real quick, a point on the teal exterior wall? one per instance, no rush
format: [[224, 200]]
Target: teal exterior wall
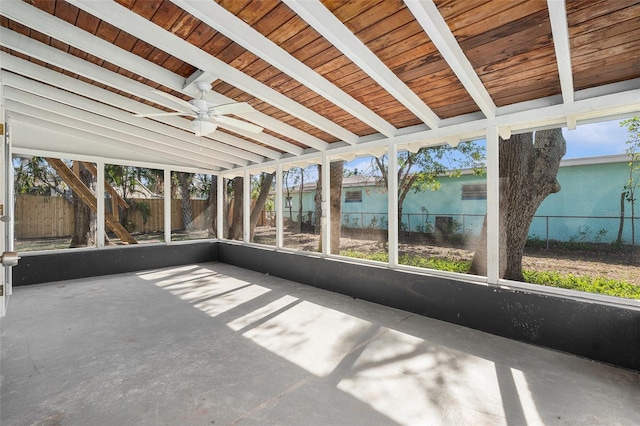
[[587, 208]]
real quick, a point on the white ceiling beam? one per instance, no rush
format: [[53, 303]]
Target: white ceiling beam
[[428, 16], [67, 33], [234, 146], [96, 134], [600, 108], [560, 31], [330, 27], [37, 137], [124, 131], [27, 103], [236, 29], [145, 30], [198, 148]]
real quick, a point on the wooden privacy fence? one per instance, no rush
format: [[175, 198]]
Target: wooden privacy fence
[[45, 216]]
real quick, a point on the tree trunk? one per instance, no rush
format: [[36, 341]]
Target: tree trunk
[[336, 171], [300, 196], [184, 179], [84, 224], [621, 227], [213, 207], [226, 208], [265, 186], [318, 204], [527, 171], [235, 230], [405, 184]]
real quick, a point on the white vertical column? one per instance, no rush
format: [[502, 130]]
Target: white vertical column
[[246, 208], [220, 207], [326, 206], [279, 208], [493, 205], [167, 205], [392, 199], [10, 205], [100, 204]]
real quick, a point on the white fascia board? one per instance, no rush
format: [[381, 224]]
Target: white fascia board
[[67, 33], [152, 140], [601, 159], [196, 147], [428, 16], [76, 65], [38, 137], [223, 21], [145, 30], [597, 108], [330, 27], [88, 127], [560, 31]]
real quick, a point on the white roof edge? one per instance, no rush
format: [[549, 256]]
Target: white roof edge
[[601, 159]]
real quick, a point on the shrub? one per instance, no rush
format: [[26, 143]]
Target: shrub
[[599, 285]]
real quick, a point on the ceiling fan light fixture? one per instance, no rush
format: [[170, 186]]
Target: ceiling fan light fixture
[[202, 127]]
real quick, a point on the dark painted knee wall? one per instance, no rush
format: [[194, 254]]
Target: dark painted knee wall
[[72, 264], [597, 331]]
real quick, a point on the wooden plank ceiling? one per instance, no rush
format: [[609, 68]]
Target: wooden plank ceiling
[[320, 75]]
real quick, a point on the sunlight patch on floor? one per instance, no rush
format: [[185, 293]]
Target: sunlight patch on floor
[[310, 336], [414, 382], [158, 275], [218, 304], [259, 314], [527, 402]]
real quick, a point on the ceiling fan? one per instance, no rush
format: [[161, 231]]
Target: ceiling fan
[[206, 114]]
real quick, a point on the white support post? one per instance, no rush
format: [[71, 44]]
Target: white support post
[[326, 206], [246, 207], [167, 205], [220, 207], [279, 208], [100, 204], [392, 199], [493, 206]]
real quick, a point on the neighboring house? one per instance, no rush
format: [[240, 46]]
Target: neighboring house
[[587, 208]]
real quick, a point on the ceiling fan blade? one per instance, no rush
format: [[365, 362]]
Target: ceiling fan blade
[[161, 114], [179, 101], [239, 124], [233, 108]]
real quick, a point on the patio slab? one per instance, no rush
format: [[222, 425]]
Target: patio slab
[[211, 343]]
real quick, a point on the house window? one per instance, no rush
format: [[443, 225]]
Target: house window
[[353, 197], [474, 191]]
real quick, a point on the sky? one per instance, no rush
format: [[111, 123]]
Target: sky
[[587, 140], [590, 140]]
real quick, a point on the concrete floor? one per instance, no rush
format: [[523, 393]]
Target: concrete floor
[[214, 344]]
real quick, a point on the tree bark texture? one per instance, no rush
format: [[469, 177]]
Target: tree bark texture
[[318, 204], [213, 207], [235, 230], [256, 211], [185, 179], [527, 172], [84, 225], [336, 172]]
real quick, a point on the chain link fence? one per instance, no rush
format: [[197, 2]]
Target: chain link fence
[[584, 229], [544, 230]]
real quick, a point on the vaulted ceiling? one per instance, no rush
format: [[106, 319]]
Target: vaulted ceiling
[[322, 76]]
